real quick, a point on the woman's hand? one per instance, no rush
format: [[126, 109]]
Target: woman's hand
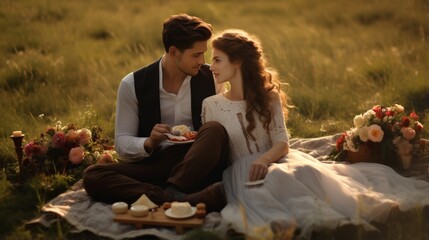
[[156, 136], [258, 170], [259, 167]]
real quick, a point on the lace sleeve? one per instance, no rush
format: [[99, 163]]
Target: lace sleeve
[[206, 113], [278, 130]]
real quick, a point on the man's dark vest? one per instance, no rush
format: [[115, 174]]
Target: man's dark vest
[[146, 83]]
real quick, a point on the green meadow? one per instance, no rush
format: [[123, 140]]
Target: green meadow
[[63, 61]]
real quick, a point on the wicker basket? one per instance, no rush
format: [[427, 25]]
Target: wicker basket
[[368, 152]]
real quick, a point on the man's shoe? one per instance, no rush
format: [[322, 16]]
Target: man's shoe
[[173, 193], [212, 196]]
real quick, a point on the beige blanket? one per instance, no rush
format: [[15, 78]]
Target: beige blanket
[[78, 209]]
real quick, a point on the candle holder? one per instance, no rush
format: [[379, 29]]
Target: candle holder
[[17, 141]]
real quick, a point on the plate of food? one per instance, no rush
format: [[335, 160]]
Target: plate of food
[[180, 210], [181, 134]]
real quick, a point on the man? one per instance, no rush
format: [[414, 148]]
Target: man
[[150, 102]]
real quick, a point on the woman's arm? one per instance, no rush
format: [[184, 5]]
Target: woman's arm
[[259, 167], [280, 138]]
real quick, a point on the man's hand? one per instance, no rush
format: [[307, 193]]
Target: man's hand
[[156, 136]]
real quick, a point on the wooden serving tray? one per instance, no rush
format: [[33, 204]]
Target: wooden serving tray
[[158, 218]]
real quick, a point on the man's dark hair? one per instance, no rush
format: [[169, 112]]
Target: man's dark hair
[[182, 31]]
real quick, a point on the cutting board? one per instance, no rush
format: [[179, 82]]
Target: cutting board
[[158, 218]]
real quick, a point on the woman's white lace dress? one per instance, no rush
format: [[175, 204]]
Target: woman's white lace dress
[[299, 187]]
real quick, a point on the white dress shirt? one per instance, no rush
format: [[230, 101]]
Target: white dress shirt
[[175, 110]]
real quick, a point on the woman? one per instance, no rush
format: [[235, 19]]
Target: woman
[[268, 182]]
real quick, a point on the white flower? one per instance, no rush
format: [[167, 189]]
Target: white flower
[[385, 118], [368, 115], [389, 119], [58, 125], [399, 108], [375, 133], [349, 140], [363, 134], [358, 120]]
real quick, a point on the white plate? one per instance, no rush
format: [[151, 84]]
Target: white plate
[[328, 161], [177, 139], [179, 142], [168, 213], [255, 183], [171, 136]]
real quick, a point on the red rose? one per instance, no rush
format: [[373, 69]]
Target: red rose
[[414, 115], [340, 141], [58, 140], [378, 111], [390, 113], [419, 127], [405, 122]]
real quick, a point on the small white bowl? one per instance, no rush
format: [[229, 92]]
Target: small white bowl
[[139, 210], [119, 207]]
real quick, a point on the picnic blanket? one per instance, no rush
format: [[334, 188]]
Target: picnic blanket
[[79, 210]]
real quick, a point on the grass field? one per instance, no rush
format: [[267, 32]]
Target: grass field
[[63, 60]]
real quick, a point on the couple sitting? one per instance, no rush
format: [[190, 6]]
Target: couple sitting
[[242, 137]]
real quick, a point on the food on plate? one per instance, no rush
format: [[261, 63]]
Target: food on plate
[[181, 208], [181, 133], [191, 135], [119, 207], [166, 205], [200, 213], [139, 211], [201, 206], [180, 130], [144, 200]]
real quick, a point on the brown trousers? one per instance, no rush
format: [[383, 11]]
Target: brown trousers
[[191, 167]]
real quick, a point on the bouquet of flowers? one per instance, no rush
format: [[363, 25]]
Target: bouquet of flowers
[[67, 150], [388, 131]]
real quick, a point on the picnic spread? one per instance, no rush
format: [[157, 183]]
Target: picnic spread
[[85, 214]]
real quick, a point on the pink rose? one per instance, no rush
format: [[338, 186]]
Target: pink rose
[[408, 133], [72, 136], [85, 136], [375, 133], [105, 158], [28, 149], [33, 149], [76, 155], [58, 140]]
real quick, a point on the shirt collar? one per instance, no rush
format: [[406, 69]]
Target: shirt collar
[[186, 81]]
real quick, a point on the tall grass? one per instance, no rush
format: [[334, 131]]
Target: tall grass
[[63, 60]]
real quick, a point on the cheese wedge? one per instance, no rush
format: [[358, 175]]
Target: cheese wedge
[[144, 200]]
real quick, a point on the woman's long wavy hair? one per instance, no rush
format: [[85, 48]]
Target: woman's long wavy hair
[[259, 81]]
